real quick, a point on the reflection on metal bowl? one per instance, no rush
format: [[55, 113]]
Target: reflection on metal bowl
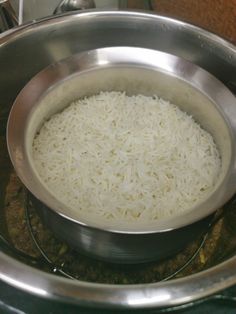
[[135, 71]]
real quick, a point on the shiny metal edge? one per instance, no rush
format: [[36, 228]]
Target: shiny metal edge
[[41, 22], [153, 295]]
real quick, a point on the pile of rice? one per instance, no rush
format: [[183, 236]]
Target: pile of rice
[[122, 158]]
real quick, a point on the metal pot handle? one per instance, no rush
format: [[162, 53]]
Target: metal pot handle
[[73, 5]]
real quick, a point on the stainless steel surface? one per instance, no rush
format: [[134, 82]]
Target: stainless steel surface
[[155, 295], [53, 39], [134, 70], [8, 18], [72, 5]]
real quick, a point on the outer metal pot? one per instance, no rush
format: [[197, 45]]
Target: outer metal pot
[[134, 70], [26, 50]]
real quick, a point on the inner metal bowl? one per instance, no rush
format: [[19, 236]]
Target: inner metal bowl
[[136, 71]]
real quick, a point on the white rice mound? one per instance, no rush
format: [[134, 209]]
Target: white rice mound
[[119, 158]]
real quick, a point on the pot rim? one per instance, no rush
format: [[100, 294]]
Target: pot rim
[[41, 22], [151, 295]]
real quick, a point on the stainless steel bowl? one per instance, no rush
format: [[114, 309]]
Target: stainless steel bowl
[[134, 70]]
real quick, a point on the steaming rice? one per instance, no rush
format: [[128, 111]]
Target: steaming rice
[[121, 158]]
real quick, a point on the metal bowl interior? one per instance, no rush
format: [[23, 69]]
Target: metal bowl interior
[[135, 71]]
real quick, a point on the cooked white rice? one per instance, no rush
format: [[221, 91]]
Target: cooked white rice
[[122, 158]]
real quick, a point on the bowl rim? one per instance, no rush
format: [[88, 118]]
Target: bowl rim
[[103, 58]]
